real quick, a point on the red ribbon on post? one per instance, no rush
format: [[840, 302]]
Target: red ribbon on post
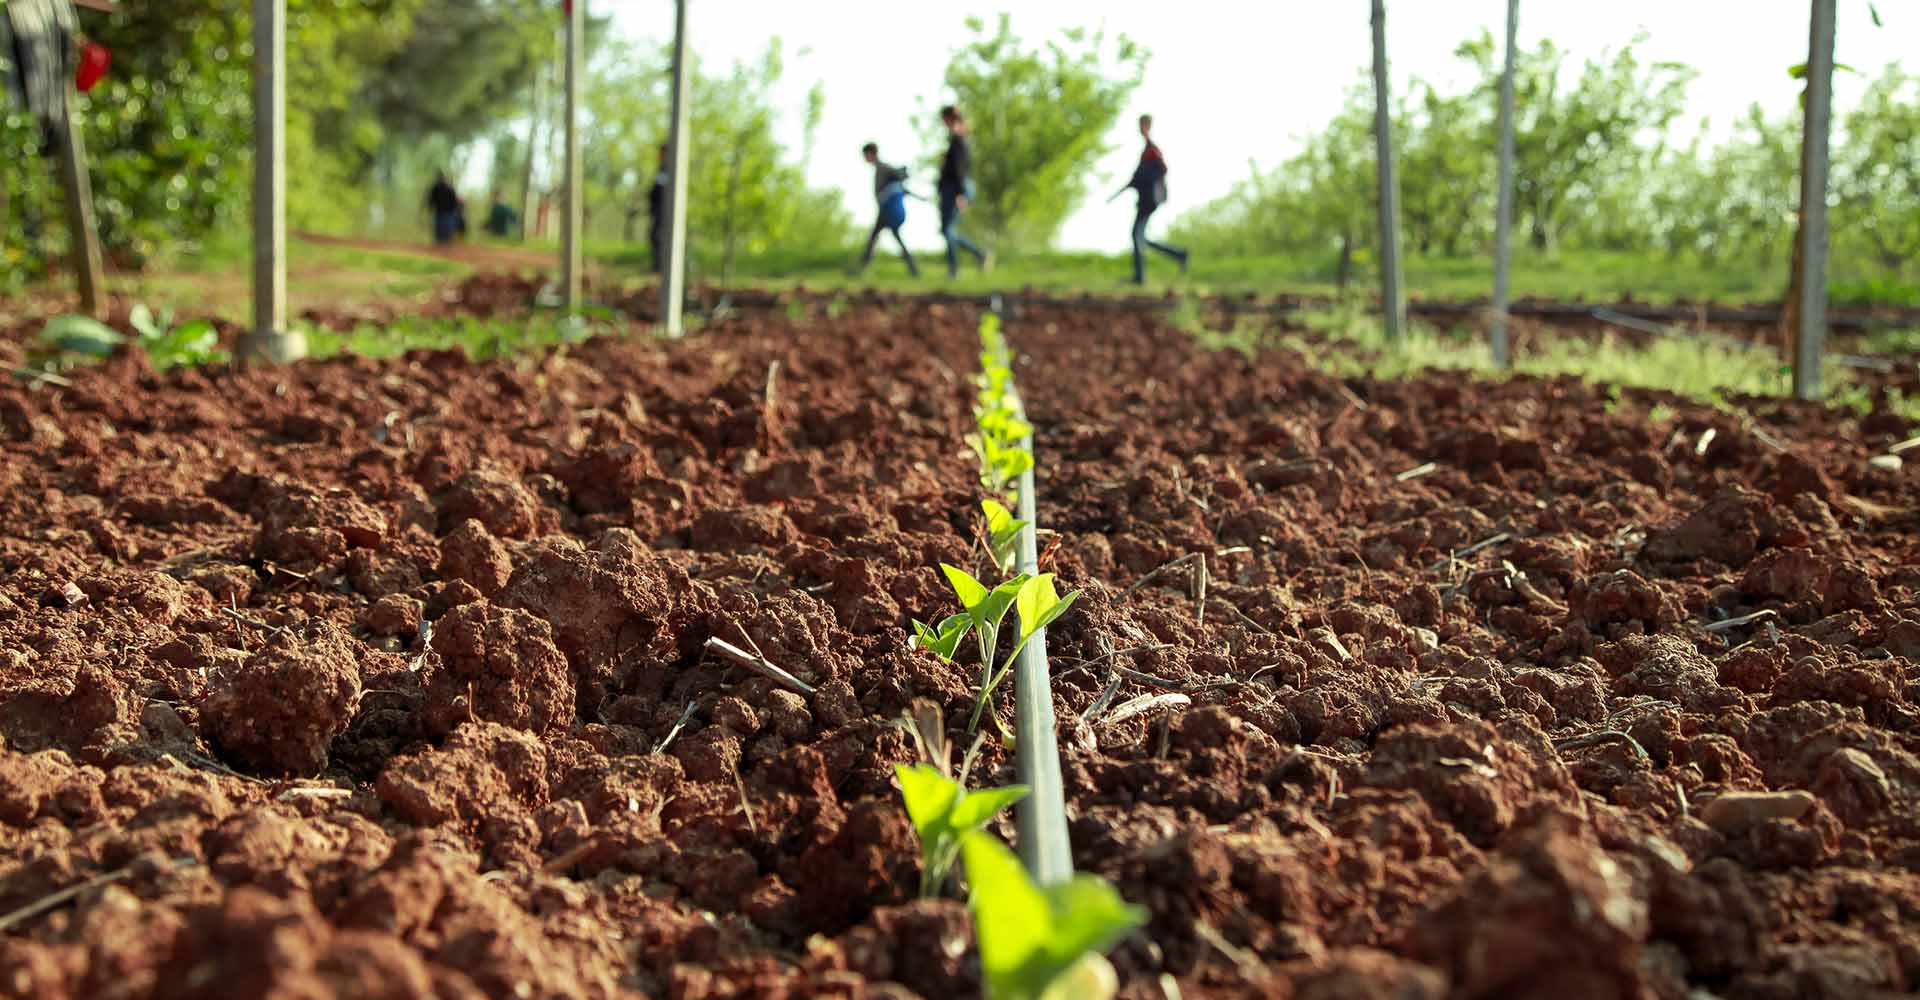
[[94, 60]]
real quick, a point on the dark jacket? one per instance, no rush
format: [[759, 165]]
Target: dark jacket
[[657, 203], [956, 167], [1150, 178], [441, 198]]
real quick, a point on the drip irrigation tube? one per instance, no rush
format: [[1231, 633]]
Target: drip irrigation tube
[[1881, 318], [1041, 818]]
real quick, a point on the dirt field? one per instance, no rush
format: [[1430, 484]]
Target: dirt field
[[384, 679]]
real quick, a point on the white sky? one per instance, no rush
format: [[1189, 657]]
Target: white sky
[[1232, 81]]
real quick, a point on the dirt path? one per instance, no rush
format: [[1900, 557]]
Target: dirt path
[[369, 678]]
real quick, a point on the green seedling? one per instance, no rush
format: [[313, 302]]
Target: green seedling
[[81, 335], [1003, 533], [943, 812], [1042, 942], [944, 640], [194, 342], [1039, 605]]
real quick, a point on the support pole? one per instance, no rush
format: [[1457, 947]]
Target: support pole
[[1392, 301], [87, 266], [1503, 214], [673, 278], [1811, 334], [571, 222], [270, 339]]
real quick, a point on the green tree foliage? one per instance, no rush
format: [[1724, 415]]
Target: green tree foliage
[[1040, 118], [747, 195], [1876, 177], [169, 130], [1597, 168], [1568, 140]]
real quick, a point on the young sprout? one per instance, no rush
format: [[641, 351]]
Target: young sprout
[[1039, 605], [1042, 942], [1003, 533], [943, 640], [943, 812], [986, 609]]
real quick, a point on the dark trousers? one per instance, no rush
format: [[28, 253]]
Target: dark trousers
[[874, 237], [1141, 244], [949, 228], [657, 247], [446, 223]]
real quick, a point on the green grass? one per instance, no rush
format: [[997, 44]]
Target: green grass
[[478, 338], [1589, 274], [1351, 341]]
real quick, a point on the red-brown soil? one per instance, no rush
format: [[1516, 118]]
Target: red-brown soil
[[384, 679]]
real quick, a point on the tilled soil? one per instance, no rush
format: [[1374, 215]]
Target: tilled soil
[[384, 679]]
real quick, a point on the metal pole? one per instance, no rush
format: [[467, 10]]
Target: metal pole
[[673, 278], [570, 235], [270, 339], [87, 265], [1392, 302], [1503, 213], [1812, 333]]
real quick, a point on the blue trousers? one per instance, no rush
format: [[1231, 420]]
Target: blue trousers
[[1141, 245], [880, 226], [949, 227]]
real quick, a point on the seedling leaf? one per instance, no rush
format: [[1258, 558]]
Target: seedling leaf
[[1039, 605], [141, 318], [929, 796], [969, 590], [942, 812], [974, 809], [82, 335], [1031, 936]]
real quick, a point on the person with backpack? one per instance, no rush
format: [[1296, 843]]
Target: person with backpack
[[1150, 185], [890, 191], [956, 190], [444, 203]]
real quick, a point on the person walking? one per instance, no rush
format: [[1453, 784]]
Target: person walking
[[1150, 185], [444, 203], [956, 190], [890, 191], [657, 215]]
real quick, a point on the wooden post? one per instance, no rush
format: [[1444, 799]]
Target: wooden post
[[673, 279], [1810, 333], [1392, 300], [571, 222], [88, 268], [1503, 213], [270, 339], [538, 111]]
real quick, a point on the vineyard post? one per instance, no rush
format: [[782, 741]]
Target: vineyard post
[[1503, 212], [571, 221], [87, 265], [1392, 300], [673, 278], [1810, 334], [270, 339]]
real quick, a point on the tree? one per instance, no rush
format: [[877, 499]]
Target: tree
[[1569, 142], [1039, 121], [745, 195], [1876, 177]]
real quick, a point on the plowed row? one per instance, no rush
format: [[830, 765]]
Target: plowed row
[[384, 679]]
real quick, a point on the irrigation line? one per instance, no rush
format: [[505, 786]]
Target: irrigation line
[[1285, 305], [1041, 818]]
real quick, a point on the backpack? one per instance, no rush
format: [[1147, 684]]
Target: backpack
[[893, 205]]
